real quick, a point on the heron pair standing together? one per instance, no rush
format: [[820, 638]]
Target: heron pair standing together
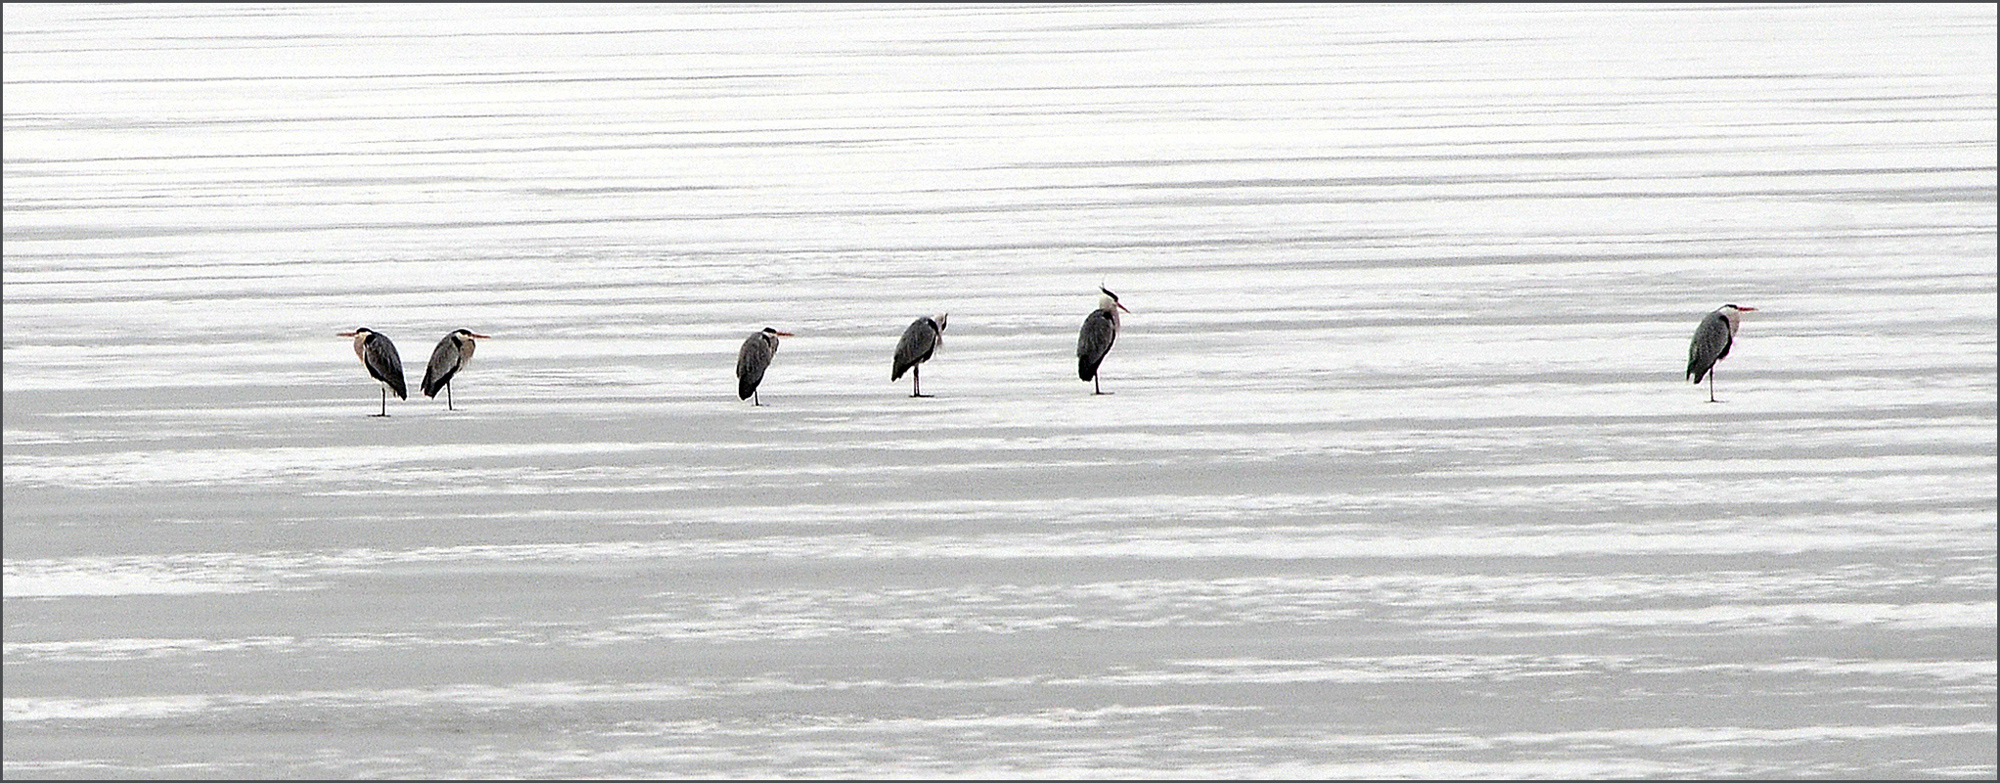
[[921, 340], [378, 355]]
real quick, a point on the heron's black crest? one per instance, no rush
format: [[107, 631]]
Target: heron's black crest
[[1107, 292]]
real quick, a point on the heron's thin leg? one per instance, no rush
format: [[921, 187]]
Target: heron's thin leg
[[917, 381], [447, 396], [1711, 384]]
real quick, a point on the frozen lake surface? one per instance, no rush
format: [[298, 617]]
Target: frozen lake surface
[[1401, 476]]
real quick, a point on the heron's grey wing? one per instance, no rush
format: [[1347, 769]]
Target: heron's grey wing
[[918, 343], [385, 365], [444, 364], [750, 364], [1093, 342], [1711, 342]]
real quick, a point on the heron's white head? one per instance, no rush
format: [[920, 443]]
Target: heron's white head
[[470, 333], [1109, 301], [939, 318], [773, 333]]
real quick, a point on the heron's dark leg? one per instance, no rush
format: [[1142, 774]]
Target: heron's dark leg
[[1711, 384], [385, 403], [917, 381], [1095, 388], [447, 396], [755, 398]]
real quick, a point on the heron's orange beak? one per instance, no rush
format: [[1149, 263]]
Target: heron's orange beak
[[482, 336], [1121, 306], [347, 334], [1745, 309], [784, 334]]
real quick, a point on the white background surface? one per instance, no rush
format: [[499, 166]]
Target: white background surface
[[1400, 478]]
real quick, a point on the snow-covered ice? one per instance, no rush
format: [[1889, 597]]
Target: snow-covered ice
[[1400, 477]]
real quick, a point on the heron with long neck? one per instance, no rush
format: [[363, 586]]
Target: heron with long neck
[[920, 340], [379, 357], [1100, 330], [751, 361], [1712, 341], [451, 355]]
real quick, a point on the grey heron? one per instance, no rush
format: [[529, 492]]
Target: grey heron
[[451, 355], [753, 359], [1712, 340], [1100, 329], [919, 341], [379, 357]]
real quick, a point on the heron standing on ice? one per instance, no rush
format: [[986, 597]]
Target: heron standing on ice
[[379, 357], [753, 359], [1100, 329], [1712, 340], [451, 355], [918, 343]]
